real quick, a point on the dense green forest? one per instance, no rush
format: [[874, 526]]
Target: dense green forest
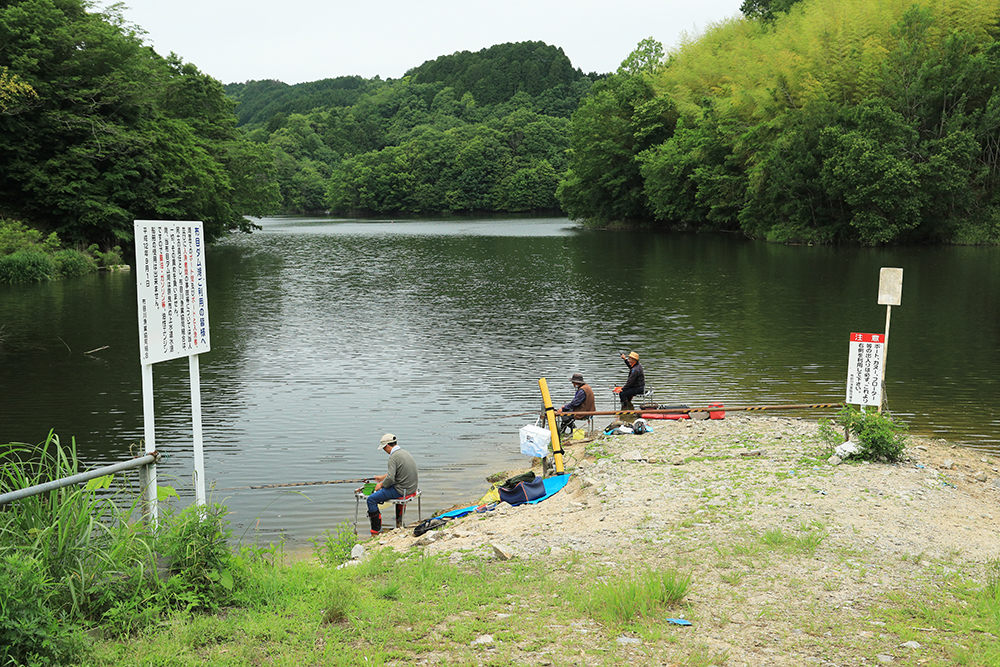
[[801, 120], [96, 130], [483, 131], [816, 121]]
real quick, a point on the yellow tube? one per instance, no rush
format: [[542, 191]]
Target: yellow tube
[[550, 413]]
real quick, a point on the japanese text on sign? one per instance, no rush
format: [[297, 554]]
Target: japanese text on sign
[[172, 296], [864, 369]]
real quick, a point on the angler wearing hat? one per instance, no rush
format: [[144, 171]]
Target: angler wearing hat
[[583, 401], [636, 382], [400, 481]]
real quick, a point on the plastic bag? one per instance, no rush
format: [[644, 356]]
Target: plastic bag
[[535, 441], [492, 496]]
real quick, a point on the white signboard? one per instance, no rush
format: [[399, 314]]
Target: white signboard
[[864, 369], [890, 286], [173, 301]]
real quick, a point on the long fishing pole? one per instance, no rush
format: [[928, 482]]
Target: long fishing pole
[[717, 408], [277, 486], [611, 338]]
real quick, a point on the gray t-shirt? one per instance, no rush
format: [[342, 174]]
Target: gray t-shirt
[[402, 472]]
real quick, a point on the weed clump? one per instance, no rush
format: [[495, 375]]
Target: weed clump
[[617, 602], [879, 437], [333, 547]]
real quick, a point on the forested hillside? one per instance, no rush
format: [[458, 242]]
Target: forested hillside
[[803, 120], [816, 121], [483, 131], [96, 130]]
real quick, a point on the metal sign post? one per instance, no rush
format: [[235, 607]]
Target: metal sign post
[[173, 323], [890, 293]]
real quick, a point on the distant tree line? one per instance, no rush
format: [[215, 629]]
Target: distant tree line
[[467, 132], [815, 121], [803, 120]]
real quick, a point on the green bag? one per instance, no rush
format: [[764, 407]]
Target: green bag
[[511, 482]]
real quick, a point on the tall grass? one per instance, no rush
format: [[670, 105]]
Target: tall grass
[[645, 594], [87, 562], [27, 266], [333, 547], [81, 538]]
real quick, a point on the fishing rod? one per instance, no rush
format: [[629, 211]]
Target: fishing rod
[[611, 338], [277, 486], [717, 408], [520, 414]]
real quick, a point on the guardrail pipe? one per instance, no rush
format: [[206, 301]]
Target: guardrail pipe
[[79, 478]]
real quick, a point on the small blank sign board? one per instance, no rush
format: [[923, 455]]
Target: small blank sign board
[[173, 302], [890, 286], [864, 369]]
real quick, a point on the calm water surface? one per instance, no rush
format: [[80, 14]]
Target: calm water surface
[[327, 333]]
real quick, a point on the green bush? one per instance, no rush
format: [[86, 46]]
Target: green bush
[[27, 266], [73, 263], [15, 236], [31, 631], [334, 546], [194, 543], [877, 434], [112, 257]]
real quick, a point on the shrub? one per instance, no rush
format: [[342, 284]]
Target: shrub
[[73, 263], [876, 433], [195, 545], [30, 629], [15, 236], [112, 257], [27, 266], [334, 547]]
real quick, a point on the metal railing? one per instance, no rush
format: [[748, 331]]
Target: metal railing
[[79, 478]]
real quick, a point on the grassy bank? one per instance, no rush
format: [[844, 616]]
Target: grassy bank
[[742, 528]]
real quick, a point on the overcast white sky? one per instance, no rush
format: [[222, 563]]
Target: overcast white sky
[[307, 40]]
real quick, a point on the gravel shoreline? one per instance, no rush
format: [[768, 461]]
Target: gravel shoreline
[[712, 498]]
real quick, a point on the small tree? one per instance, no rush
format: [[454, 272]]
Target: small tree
[[877, 434]]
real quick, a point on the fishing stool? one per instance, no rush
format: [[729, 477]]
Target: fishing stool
[[639, 400], [401, 504]]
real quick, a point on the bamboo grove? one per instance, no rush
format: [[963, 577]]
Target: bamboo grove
[[838, 121]]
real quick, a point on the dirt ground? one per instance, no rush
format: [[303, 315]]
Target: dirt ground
[[719, 499]]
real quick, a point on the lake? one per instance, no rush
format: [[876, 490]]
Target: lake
[[326, 333]]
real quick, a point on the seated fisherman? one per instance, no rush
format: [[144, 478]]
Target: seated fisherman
[[636, 382], [583, 401], [399, 482]]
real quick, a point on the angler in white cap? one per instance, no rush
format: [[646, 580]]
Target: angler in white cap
[[401, 480]]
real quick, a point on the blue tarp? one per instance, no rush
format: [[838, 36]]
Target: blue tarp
[[552, 485]]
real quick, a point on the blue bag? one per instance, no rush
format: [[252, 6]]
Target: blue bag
[[522, 492]]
